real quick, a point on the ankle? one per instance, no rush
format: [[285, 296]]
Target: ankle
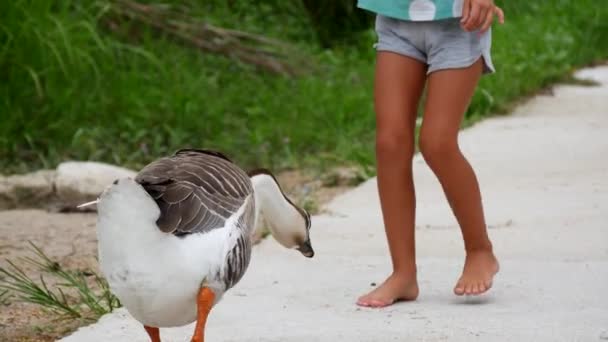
[[405, 272], [479, 247]]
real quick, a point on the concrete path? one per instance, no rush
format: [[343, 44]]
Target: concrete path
[[544, 178]]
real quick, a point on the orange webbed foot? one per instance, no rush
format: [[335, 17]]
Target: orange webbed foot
[[153, 332], [204, 302]]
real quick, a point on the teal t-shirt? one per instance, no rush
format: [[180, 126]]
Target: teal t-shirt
[[414, 10]]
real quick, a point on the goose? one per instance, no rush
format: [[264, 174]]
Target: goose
[[175, 238]]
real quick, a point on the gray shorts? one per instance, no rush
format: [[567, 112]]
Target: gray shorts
[[440, 44]]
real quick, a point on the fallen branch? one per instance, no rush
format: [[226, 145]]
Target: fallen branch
[[266, 53]]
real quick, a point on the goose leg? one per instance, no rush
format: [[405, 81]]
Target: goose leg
[[204, 302], [153, 332]]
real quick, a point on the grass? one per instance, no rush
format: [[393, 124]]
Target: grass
[[76, 295], [5, 297], [71, 90]]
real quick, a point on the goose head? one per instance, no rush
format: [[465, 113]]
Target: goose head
[[288, 223], [296, 234]]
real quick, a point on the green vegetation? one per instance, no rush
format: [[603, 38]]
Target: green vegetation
[[4, 297], [74, 87], [76, 295]]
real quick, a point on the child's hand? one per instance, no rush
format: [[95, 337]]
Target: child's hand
[[479, 14]]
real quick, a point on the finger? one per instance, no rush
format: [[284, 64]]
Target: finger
[[488, 22], [472, 19], [466, 9], [483, 14], [500, 14]]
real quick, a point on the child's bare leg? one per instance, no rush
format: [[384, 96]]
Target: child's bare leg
[[398, 87], [449, 94]]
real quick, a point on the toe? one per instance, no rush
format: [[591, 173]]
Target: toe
[[367, 296], [470, 289], [479, 288], [488, 284], [488, 281], [374, 303], [363, 301], [482, 288], [475, 289], [459, 289]]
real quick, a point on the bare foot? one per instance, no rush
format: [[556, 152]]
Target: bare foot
[[479, 270], [395, 288]]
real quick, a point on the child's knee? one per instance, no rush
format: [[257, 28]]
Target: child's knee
[[436, 148], [394, 146]]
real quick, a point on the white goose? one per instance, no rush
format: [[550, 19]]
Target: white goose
[[177, 237]]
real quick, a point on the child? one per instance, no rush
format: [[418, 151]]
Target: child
[[445, 44]]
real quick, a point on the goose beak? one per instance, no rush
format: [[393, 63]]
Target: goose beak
[[88, 204], [306, 249]]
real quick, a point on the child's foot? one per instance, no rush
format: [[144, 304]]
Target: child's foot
[[395, 288], [479, 270]]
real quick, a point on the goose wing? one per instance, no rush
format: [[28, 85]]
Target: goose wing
[[196, 190]]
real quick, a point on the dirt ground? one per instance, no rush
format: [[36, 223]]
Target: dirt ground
[[70, 240]]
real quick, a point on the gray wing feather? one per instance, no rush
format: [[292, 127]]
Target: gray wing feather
[[196, 190]]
